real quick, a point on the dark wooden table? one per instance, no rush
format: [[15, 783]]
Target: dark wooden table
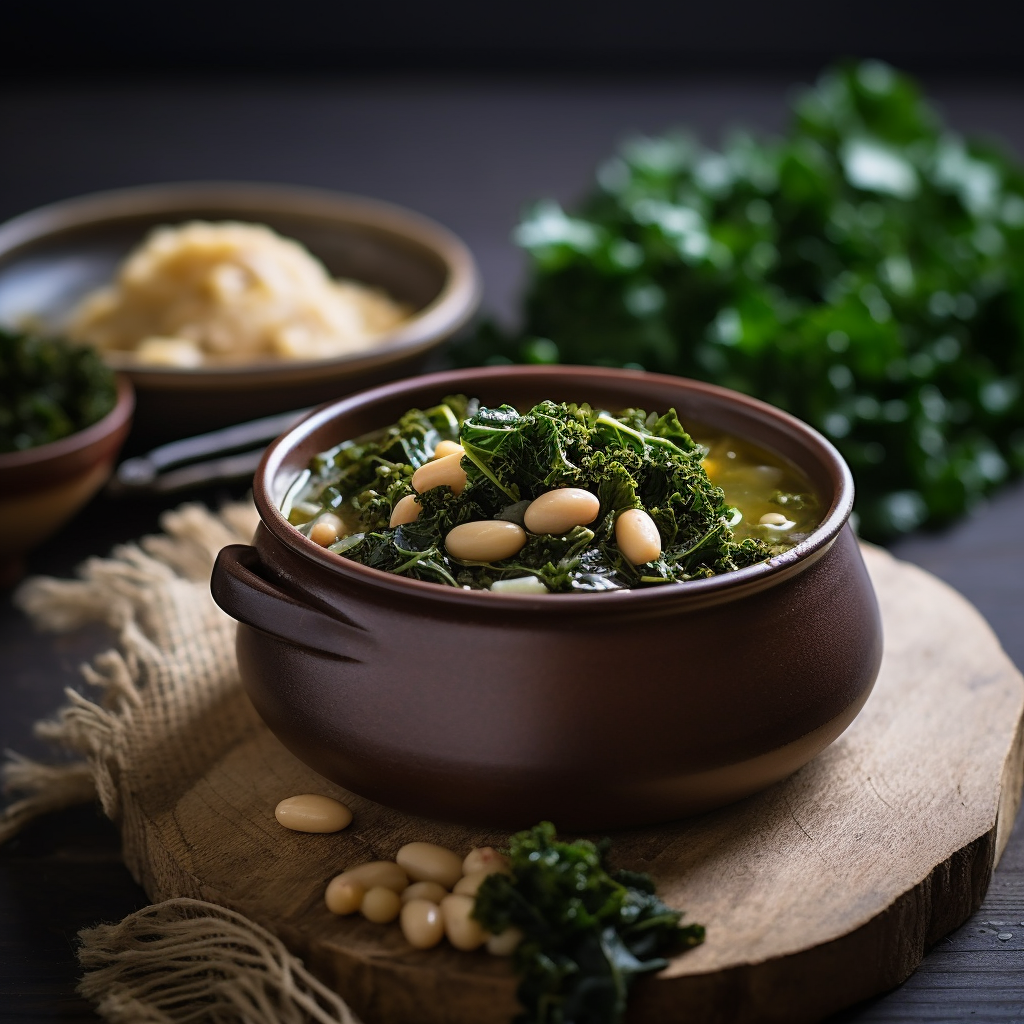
[[470, 153]]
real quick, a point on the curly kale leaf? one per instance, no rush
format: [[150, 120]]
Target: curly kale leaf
[[588, 932], [525, 454]]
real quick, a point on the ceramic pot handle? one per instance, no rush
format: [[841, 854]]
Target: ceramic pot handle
[[246, 596]]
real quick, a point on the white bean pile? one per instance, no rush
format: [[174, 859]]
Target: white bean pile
[[428, 888]]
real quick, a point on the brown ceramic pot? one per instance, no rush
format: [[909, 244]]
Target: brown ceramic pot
[[596, 711]]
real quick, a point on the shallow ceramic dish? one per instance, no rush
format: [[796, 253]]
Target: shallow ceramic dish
[[51, 257], [593, 710], [41, 488]]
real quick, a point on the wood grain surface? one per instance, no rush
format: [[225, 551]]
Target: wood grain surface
[[822, 891]]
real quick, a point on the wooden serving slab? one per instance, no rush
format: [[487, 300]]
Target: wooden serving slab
[[821, 891]]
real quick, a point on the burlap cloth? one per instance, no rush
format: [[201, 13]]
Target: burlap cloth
[[169, 704]]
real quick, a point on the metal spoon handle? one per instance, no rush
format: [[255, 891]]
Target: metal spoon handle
[[218, 455]]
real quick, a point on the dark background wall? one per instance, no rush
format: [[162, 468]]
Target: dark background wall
[[55, 37]]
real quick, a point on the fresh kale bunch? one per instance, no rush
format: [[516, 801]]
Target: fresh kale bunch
[[587, 932], [866, 273], [633, 460], [49, 389]]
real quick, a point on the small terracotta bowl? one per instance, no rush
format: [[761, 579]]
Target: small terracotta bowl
[[42, 488], [595, 711]]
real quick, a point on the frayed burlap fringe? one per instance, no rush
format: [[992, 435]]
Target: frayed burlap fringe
[[174, 654], [169, 704], [46, 788], [185, 960]]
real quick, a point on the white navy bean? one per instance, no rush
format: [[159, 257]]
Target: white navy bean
[[376, 872], [380, 905], [427, 862], [445, 448], [486, 859], [774, 519], [637, 536], [560, 510], [487, 540], [504, 944], [430, 891], [467, 885], [422, 924], [444, 472], [407, 510], [343, 897], [326, 530], [311, 813], [463, 931]]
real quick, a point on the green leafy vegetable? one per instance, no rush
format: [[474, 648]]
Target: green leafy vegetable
[[866, 273], [49, 389], [628, 461], [587, 932]]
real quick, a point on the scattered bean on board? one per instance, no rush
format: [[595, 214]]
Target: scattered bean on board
[[380, 905], [425, 862], [422, 923], [311, 813]]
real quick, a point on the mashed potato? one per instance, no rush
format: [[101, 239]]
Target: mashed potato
[[217, 294]]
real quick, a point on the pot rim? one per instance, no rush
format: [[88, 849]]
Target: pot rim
[[723, 587]]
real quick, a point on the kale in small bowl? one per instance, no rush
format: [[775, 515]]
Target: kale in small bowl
[[50, 389]]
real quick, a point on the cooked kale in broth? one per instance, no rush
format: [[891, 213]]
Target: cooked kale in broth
[[558, 498], [775, 500]]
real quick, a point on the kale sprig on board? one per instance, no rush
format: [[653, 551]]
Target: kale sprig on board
[[588, 932], [633, 460]]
